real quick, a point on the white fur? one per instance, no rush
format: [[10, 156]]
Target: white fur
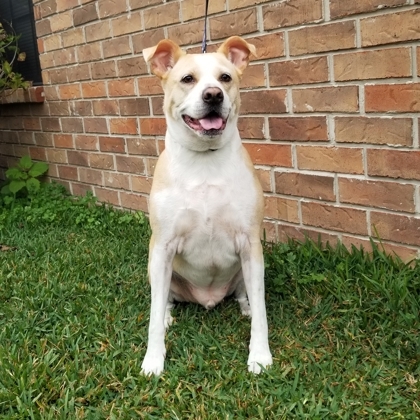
[[206, 212]]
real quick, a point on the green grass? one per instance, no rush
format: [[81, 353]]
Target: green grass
[[74, 309]]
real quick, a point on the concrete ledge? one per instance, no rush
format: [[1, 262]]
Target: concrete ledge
[[34, 94]]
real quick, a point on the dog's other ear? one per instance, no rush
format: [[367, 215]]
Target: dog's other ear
[[238, 51], [163, 56]]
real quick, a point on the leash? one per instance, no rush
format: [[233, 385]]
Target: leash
[[204, 42]]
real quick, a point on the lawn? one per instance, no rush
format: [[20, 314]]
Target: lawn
[[74, 309]]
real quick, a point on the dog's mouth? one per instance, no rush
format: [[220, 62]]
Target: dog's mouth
[[211, 124]]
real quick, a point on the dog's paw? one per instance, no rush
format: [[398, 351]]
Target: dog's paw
[[168, 320], [258, 360], [244, 305], [152, 364]]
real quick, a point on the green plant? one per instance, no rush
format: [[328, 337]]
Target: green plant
[[9, 53], [23, 179]]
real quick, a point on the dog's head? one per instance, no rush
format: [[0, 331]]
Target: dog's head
[[201, 90]]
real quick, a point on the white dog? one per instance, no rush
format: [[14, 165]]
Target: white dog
[[206, 203]]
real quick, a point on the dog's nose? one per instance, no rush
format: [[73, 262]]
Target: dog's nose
[[213, 96]]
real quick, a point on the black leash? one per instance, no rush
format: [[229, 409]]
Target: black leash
[[204, 42]]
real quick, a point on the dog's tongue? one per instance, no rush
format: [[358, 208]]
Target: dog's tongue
[[211, 123]]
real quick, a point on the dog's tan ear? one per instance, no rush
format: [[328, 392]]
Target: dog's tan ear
[[238, 51], [163, 56]]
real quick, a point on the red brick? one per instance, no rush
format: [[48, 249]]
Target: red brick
[[331, 159], [263, 102], [56, 156], [186, 33], [298, 128], [391, 131], [131, 67], [339, 8], [134, 106], [268, 46], [234, 23], [142, 146], [78, 158], [378, 64], [326, 99], [44, 139], [281, 209], [61, 21], [121, 87], [162, 15], [124, 126], [107, 196], [141, 184], [112, 144], [101, 161], [80, 189], [68, 172], [393, 98], [93, 89], [90, 176], [132, 164], [291, 13], [251, 128], [72, 37], [116, 180], [50, 124], [98, 31], [106, 107], [270, 154], [32, 124], [149, 86], [254, 77], [387, 195], [78, 73], [63, 141], [72, 125], [69, 91], [195, 8], [86, 142], [152, 126], [147, 39], [137, 4], [95, 125], [297, 72], [239, 4], [37, 153], [133, 201], [127, 23], [390, 28], [59, 108], [396, 228], [85, 14], [322, 38], [302, 185], [394, 163], [335, 218], [116, 47], [104, 70], [89, 52], [111, 8]]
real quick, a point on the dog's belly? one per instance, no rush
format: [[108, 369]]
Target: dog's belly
[[207, 261]]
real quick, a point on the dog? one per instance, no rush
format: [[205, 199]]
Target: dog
[[206, 202]]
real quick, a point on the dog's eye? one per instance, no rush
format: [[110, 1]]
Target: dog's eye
[[226, 78], [187, 79]]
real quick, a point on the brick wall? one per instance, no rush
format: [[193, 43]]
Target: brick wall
[[330, 107]]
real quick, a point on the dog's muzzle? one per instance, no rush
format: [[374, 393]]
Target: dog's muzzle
[[212, 123]]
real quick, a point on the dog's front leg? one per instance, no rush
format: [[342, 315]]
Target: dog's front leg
[[253, 271], [160, 272]]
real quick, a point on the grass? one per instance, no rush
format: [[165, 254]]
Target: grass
[[74, 309]]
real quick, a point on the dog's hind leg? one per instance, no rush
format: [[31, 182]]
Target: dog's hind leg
[[241, 296], [169, 306]]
